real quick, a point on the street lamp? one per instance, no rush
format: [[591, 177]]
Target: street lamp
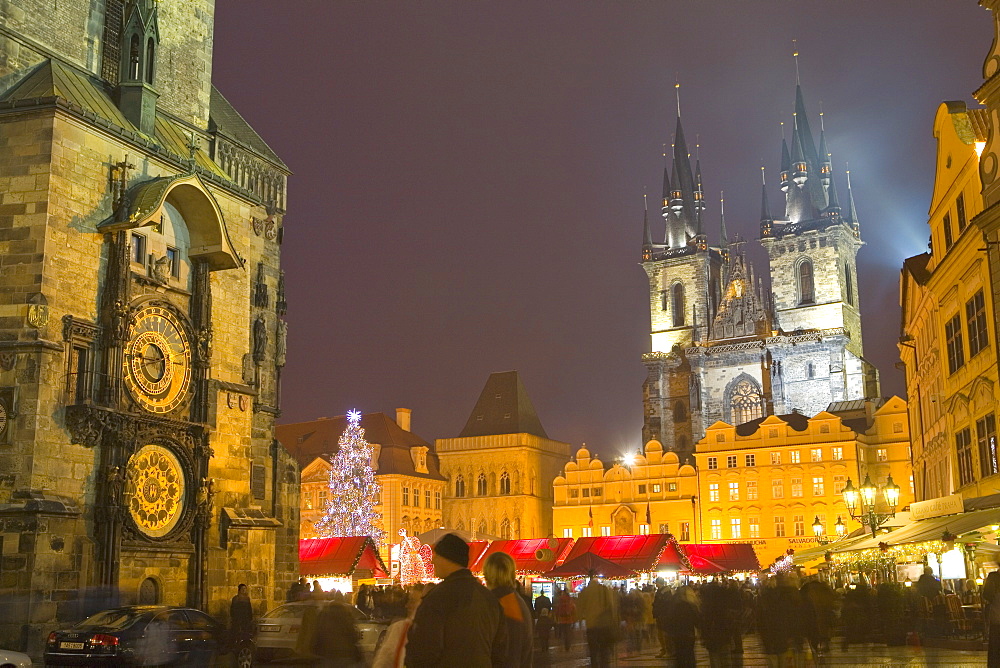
[[862, 502], [820, 531]]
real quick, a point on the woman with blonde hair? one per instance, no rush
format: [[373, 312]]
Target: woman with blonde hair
[[501, 579]]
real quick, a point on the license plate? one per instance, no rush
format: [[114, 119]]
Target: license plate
[[71, 645], [269, 628]]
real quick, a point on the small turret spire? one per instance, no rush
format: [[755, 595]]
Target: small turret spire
[[677, 89], [765, 209], [647, 239], [852, 212], [795, 55], [723, 234], [834, 200]]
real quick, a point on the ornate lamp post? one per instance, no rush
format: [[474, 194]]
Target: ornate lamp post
[[862, 502], [820, 531]]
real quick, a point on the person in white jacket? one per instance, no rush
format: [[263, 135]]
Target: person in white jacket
[[391, 653]]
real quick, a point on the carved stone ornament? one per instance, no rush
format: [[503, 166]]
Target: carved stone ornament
[[38, 315], [7, 361], [258, 225], [281, 346]]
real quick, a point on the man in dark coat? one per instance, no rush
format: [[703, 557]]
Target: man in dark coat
[[459, 622], [241, 614]]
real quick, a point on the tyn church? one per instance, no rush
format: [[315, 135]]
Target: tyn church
[[723, 346]]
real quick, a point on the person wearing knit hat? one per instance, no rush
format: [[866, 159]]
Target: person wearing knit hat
[[459, 623]]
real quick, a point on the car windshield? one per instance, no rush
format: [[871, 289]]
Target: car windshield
[[110, 619], [284, 611]]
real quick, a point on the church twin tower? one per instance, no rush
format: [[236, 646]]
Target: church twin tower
[[723, 346]]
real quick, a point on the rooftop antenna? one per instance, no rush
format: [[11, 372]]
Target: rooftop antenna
[[795, 55]]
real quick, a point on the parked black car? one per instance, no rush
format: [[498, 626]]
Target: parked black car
[[145, 635]]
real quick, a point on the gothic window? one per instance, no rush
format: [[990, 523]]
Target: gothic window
[[483, 531], [664, 300], [746, 402], [459, 487], [504, 483], [133, 58], [481, 486], [505, 528], [460, 526], [680, 415], [810, 370], [807, 293], [150, 51], [848, 284], [677, 299]]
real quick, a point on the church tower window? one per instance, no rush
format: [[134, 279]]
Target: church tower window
[[746, 402], [848, 284], [504, 483], [481, 486], [807, 291], [680, 415], [459, 487], [678, 305], [150, 60], [133, 59], [505, 528]]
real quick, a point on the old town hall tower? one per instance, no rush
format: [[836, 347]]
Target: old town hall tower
[[141, 319], [726, 346]]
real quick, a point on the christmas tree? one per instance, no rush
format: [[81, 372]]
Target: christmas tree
[[350, 507]]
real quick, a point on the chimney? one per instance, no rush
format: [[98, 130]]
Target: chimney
[[403, 418]]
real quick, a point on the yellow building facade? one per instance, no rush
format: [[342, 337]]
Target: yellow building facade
[[650, 492], [501, 467], [947, 340], [411, 486], [767, 481]]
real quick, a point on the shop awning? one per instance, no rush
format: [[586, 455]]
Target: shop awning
[[525, 552], [476, 550], [339, 556], [588, 563], [707, 558], [636, 553], [930, 529]]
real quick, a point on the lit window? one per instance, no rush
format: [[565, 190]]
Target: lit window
[[753, 527], [751, 490], [406, 496], [735, 530], [746, 401], [437, 500], [838, 484], [800, 525], [796, 487], [605, 531], [567, 533], [587, 532], [838, 453], [750, 460], [794, 456], [656, 488], [685, 531], [713, 491], [816, 454], [731, 461], [986, 435], [322, 497], [779, 526], [716, 530], [643, 529], [713, 462], [818, 486], [309, 501], [775, 458], [671, 486], [427, 498], [734, 491], [882, 455], [665, 527], [777, 488]]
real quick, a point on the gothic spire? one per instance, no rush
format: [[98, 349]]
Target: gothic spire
[[647, 239], [723, 234], [834, 206], [852, 213]]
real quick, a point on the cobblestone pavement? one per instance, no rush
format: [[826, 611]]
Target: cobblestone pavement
[[867, 655]]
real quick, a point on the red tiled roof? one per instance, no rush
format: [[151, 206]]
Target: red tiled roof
[[637, 553], [339, 556], [710, 558], [523, 551]]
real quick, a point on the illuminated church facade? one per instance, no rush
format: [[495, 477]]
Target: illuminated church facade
[[725, 347]]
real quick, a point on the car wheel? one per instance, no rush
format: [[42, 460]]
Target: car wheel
[[244, 657]]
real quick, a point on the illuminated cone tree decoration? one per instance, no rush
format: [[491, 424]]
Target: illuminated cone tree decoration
[[350, 508]]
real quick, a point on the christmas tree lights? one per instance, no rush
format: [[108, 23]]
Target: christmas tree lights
[[350, 507]]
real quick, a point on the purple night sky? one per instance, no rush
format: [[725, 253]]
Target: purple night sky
[[467, 195]]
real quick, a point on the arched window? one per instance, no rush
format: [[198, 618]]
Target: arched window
[[482, 528], [746, 402], [504, 483], [150, 52], [848, 284], [460, 526], [810, 370], [481, 489], [459, 487], [680, 414], [806, 287], [677, 298], [133, 59], [505, 529]]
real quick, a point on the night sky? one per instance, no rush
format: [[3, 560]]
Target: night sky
[[467, 195]]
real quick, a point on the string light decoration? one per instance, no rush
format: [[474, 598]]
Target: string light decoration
[[350, 508], [886, 555], [415, 560]]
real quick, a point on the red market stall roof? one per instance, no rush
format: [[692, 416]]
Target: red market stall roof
[[587, 563], [525, 553], [710, 558], [339, 556], [636, 553], [476, 550]]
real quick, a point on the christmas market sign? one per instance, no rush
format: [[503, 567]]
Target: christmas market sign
[[939, 507]]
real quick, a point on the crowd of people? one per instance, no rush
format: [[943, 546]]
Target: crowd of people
[[461, 622]]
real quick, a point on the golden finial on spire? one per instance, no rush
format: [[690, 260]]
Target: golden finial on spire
[[677, 89], [795, 55], [763, 180]]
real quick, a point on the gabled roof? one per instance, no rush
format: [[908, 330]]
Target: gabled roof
[[339, 556], [308, 440], [796, 421], [503, 408], [917, 267], [225, 120], [524, 552], [728, 557], [637, 553]]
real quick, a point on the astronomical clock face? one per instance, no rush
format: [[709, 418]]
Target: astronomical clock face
[[155, 490], [157, 360]]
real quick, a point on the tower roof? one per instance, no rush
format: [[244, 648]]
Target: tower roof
[[503, 408]]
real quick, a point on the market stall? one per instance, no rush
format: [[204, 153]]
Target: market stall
[[340, 562]]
